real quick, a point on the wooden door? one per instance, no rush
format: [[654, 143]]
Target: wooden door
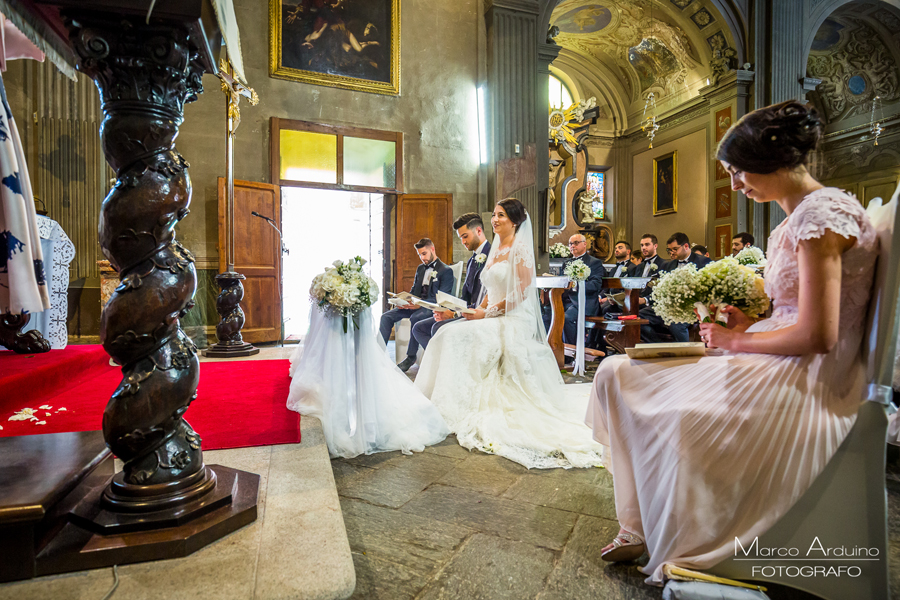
[[257, 256], [421, 216]]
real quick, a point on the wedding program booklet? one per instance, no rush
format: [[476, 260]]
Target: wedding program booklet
[[666, 350], [444, 302], [453, 303]]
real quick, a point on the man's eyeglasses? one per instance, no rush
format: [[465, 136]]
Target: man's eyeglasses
[[575, 243], [672, 250]]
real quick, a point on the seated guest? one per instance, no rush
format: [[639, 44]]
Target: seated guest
[[636, 258], [432, 275], [679, 248], [622, 252], [711, 451], [470, 229], [592, 285], [741, 241], [649, 244], [701, 250]]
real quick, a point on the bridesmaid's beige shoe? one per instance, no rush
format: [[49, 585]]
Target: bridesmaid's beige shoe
[[626, 547]]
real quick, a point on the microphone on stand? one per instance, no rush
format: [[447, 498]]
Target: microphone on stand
[[256, 214]]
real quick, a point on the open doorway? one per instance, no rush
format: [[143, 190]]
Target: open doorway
[[320, 227]]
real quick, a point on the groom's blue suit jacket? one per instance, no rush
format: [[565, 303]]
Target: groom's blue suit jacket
[[471, 288]]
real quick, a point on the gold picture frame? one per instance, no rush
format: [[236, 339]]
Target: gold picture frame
[[665, 184], [318, 37]]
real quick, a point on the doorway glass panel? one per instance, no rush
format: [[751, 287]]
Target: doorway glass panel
[[320, 227]]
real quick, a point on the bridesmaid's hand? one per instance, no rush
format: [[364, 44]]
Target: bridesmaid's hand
[[717, 336], [479, 314], [737, 320]]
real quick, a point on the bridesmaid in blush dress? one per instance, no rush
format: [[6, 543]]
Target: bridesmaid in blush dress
[[708, 449]]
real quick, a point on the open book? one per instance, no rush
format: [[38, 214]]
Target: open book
[[666, 350], [444, 302]]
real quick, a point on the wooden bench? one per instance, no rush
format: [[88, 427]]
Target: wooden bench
[[622, 334]]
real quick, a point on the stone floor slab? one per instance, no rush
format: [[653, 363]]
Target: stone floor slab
[[385, 580], [395, 482], [387, 534], [485, 473], [536, 525], [492, 568], [450, 447], [588, 499]]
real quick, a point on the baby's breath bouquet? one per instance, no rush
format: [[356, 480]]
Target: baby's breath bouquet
[[576, 270], [344, 289], [727, 282], [675, 295], [751, 256], [558, 250]]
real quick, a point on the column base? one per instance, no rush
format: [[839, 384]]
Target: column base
[[226, 350]]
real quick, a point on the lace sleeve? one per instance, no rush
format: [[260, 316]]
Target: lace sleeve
[[832, 210]]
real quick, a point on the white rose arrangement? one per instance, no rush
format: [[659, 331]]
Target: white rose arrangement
[[576, 270], [751, 256], [344, 289], [721, 283], [558, 250]]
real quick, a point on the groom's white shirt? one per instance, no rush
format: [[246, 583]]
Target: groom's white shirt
[[480, 248]]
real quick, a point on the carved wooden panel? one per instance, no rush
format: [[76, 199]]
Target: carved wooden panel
[[257, 256], [421, 216]]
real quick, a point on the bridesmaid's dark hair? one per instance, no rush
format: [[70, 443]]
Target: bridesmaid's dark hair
[[515, 210], [771, 138]]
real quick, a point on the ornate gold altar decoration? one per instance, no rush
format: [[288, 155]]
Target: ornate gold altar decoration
[[562, 121]]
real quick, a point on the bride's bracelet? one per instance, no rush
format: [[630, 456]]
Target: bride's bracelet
[[492, 312]]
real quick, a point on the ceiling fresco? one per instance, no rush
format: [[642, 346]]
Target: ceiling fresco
[[622, 50], [855, 54]]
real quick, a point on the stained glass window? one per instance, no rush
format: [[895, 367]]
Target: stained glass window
[[596, 182]]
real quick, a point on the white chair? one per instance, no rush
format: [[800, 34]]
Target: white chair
[[847, 504], [403, 329]]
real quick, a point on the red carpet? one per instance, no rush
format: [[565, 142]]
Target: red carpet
[[29, 378], [239, 403]]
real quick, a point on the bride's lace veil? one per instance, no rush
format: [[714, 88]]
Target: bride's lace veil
[[521, 295]]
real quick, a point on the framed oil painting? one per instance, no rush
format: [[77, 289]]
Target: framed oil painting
[[665, 184], [350, 44]]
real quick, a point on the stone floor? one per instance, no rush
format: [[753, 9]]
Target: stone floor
[[452, 524]]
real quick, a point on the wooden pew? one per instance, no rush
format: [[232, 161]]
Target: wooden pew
[[623, 334]]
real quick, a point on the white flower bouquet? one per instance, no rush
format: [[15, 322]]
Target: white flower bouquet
[[751, 256], [727, 282], [675, 295], [344, 289], [576, 270], [558, 250], [721, 283]]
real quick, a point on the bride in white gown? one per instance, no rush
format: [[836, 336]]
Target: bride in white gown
[[494, 378], [366, 404]]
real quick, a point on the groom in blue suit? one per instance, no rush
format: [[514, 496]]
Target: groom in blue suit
[[470, 229]]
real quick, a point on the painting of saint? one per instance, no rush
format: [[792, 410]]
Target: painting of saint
[[352, 44], [665, 184]]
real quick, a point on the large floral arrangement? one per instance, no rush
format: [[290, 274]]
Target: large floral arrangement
[[721, 283], [344, 289], [576, 270], [751, 256], [558, 250]]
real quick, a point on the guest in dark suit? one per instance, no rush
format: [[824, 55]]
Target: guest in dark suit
[[432, 275], [592, 285], [470, 229], [622, 253], [649, 244], [701, 250], [679, 248]]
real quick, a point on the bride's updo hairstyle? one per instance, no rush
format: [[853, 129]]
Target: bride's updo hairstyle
[[771, 138], [515, 210]]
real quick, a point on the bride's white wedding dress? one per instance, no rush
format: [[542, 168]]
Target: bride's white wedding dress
[[496, 381], [366, 404]]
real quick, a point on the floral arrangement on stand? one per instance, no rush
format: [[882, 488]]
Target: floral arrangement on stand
[[679, 293], [752, 257], [576, 270], [345, 290], [558, 250]]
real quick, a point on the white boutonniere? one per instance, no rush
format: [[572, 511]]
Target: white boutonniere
[[429, 275], [654, 267], [480, 258]]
